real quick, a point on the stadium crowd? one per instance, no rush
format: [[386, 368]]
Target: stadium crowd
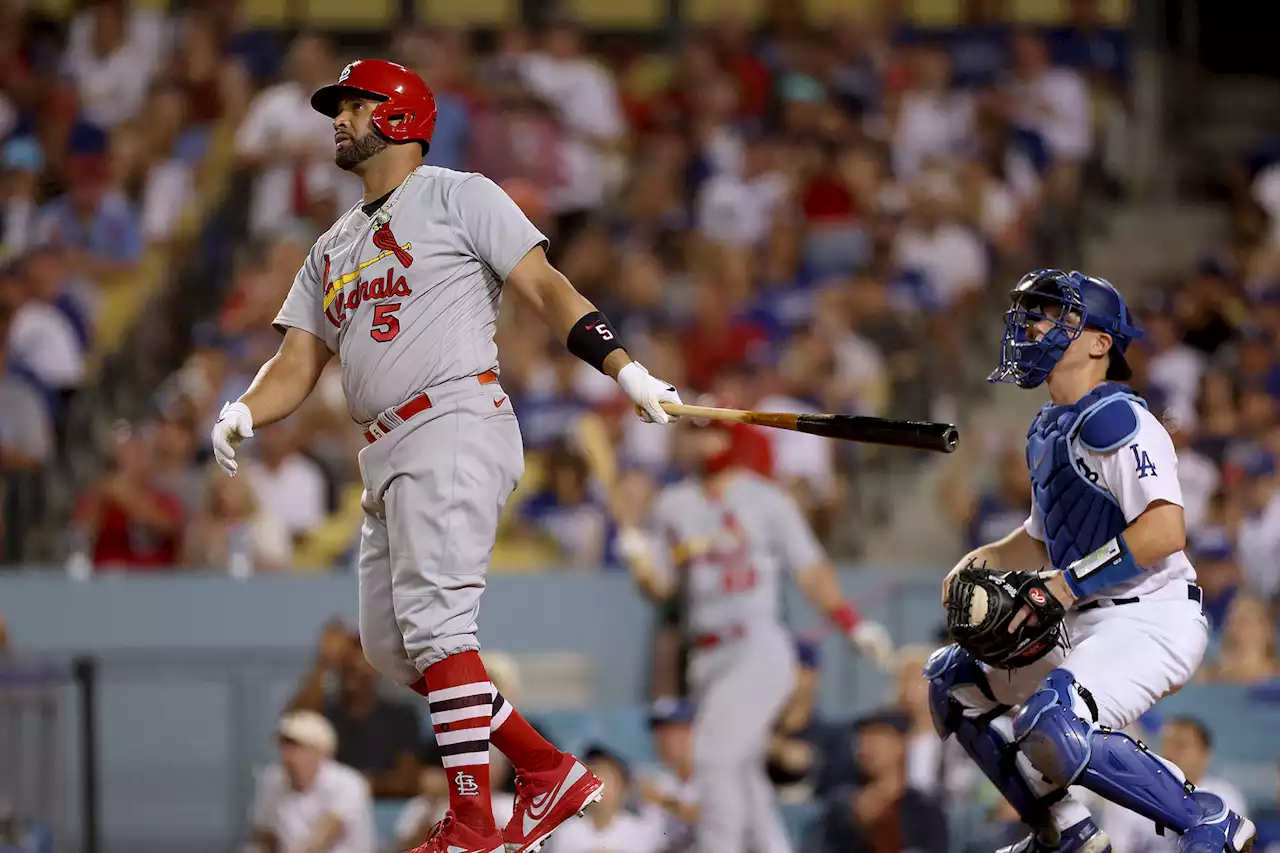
[[798, 220]]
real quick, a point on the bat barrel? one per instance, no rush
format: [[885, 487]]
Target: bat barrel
[[917, 435]]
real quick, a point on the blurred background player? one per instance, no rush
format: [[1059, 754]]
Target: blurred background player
[[722, 540]]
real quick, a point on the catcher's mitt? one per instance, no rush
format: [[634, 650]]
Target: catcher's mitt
[[982, 603]]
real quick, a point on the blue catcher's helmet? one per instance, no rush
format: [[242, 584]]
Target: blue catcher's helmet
[[1072, 301]]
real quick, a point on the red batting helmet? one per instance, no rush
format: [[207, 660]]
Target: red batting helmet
[[406, 99]]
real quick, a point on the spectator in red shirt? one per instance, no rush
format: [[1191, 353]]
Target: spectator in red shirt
[[719, 337], [132, 522]]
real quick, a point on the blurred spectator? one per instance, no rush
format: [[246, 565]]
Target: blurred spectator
[[111, 54], [175, 462], [156, 165], [1186, 742], [735, 209], [585, 98], [26, 431], [1197, 474], [936, 244], [1054, 104], [20, 834], [565, 511], [1217, 573], [428, 806], [43, 339], [130, 520], [882, 812], [669, 791], [516, 140], [291, 145], [934, 767], [441, 57], [96, 226], [799, 737], [320, 683], [1248, 651], [21, 163], [378, 737], [608, 826], [288, 482], [1173, 368], [1258, 533], [233, 529], [4, 636], [932, 119], [309, 801], [720, 336], [991, 513]]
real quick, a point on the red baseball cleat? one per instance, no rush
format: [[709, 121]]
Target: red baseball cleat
[[547, 798], [449, 836]]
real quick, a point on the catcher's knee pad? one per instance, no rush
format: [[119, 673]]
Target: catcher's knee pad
[[951, 668], [1069, 749], [947, 669]]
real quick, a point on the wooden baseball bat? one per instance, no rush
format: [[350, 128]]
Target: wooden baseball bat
[[919, 435]]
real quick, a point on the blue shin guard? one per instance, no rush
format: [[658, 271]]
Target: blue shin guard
[[952, 668], [1070, 749]]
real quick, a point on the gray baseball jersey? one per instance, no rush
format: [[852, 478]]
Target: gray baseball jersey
[[732, 551], [409, 297]]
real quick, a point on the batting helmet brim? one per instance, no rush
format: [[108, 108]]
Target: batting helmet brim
[[327, 100]]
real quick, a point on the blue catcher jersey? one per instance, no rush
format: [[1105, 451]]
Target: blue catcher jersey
[[1096, 465]]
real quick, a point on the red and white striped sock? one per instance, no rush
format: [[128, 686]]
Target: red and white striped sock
[[460, 698], [519, 741]]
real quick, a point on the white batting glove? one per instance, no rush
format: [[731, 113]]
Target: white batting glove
[[647, 392], [235, 424], [872, 641]]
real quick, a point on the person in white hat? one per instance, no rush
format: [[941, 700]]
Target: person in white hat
[[308, 803]]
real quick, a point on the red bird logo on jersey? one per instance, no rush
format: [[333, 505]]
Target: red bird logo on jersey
[[385, 240]]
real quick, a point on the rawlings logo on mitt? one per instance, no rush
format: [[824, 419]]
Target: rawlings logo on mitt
[[984, 604]]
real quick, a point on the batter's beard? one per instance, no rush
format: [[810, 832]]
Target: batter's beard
[[359, 150]]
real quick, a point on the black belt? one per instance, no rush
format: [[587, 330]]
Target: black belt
[[1194, 593]]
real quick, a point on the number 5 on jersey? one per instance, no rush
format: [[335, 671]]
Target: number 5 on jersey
[[386, 325]]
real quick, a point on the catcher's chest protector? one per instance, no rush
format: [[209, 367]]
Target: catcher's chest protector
[[1079, 517]]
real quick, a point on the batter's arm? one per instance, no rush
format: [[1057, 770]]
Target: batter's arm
[[287, 379], [557, 301]]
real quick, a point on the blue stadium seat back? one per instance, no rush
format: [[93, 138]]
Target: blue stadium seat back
[[569, 730], [626, 730], [1243, 727], [799, 819], [385, 813]]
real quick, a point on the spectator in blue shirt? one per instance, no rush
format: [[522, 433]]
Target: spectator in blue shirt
[[93, 223]]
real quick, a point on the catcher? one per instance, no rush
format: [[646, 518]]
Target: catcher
[[1049, 663]]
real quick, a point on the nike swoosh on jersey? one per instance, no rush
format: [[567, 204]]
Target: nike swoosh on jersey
[[331, 289], [497, 404], [538, 810]]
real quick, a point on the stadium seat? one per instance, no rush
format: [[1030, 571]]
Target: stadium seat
[[620, 14], [364, 15], [385, 813], [699, 12], [474, 13], [267, 13], [1115, 12], [939, 14]]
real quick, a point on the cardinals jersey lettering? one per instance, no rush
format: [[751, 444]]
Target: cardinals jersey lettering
[[409, 297], [729, 552]]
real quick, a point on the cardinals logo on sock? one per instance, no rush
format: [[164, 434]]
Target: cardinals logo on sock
[[466, 783]]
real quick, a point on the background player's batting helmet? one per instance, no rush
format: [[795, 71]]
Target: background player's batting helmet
[[408, 109]]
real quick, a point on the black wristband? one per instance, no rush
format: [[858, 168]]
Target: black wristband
[[592, 339]]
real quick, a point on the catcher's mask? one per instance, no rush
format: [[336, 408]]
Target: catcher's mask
[[1071, 302]]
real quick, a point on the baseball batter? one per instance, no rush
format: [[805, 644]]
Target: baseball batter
[[405, 289], [1039, 710], [729, 538]]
